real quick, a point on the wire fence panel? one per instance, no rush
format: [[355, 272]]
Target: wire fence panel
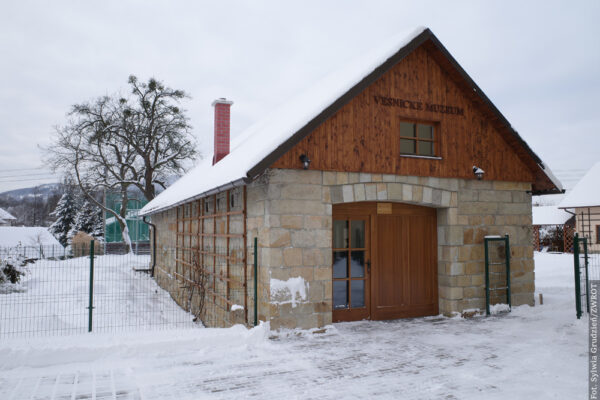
[[587, 268], [46, 291]]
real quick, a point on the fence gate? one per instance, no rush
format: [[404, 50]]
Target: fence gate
[[586, 260], [58, 291], [497, 271]]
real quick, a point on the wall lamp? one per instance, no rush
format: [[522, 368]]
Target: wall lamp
[[478, 172], [305, 161]]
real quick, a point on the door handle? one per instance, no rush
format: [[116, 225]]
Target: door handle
[[368, 266]]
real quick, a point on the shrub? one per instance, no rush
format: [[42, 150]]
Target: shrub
[[10, 273], [12, 268]]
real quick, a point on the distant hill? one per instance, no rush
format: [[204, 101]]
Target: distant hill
[[42, 191], [32, 206]]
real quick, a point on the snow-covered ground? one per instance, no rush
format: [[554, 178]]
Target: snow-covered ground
[[53, 298], [533, 352]]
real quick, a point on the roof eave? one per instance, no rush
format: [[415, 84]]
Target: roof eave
[[227, 186]]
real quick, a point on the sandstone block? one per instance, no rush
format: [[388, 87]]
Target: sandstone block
[[454, 235], [495, 195], [522, 186], [515, 208], [445, 200], [468, 195], [303, 238], [406, 192], [312, 257], [348, 193], [336, 194], [278, 237], [394, 191], [296, 176], [451, 293], [382, 191], [477, 208], [364, 177], [371, 191], [388, 178], [292, 221], [436, 198], [291, 207], [329, 178], [301, 192], [317, 222], [341, 178], [292, 257], [418, 194], [456, 268], [359, 192], [322, 273]]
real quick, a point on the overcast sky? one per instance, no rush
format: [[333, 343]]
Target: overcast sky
[[539, 62]]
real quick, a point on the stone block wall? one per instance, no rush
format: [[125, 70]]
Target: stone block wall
[[292, 220], [290, 212]]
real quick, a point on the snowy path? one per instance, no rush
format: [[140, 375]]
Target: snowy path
[[530, 353]]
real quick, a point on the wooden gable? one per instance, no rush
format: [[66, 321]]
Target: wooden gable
[[363, 135]]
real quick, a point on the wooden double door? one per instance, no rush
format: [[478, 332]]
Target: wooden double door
[[384, 261]]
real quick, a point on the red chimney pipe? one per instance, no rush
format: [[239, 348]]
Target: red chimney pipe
[[222, 114]]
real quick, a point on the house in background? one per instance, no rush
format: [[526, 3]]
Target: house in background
[[138, 229], [29, 241], [370, 196], [6, 219], [553, 229], [584, 201]]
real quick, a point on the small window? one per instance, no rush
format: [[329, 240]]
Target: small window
[[417, 139], [597, 233]]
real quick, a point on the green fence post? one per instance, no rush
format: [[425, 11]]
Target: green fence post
[[577, 281], [487, 277], [507, 253], [255, 281], [90, 308]]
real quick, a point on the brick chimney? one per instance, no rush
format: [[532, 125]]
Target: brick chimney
[[221, 106]]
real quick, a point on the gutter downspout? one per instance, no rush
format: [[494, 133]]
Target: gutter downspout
[[153, 244]]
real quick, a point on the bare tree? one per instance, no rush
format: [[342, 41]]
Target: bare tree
[[159, 132], [115, 143]]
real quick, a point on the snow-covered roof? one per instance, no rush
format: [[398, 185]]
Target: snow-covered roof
[[256, 142], [253, 147], [11, 236], [549, 215], [587, 191], [6, 216]]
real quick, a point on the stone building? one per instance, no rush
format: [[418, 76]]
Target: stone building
[[370, 195]]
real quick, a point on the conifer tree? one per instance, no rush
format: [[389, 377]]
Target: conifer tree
[[88, 220], [65, 213]]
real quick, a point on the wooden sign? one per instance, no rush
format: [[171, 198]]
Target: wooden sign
[[418, 105], [384, 208]]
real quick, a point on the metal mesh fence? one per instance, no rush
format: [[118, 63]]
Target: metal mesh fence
[[48, 291]]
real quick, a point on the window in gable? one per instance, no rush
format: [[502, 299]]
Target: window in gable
[[418, 138]]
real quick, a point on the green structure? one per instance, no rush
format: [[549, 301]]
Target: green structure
[[138, 230]]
